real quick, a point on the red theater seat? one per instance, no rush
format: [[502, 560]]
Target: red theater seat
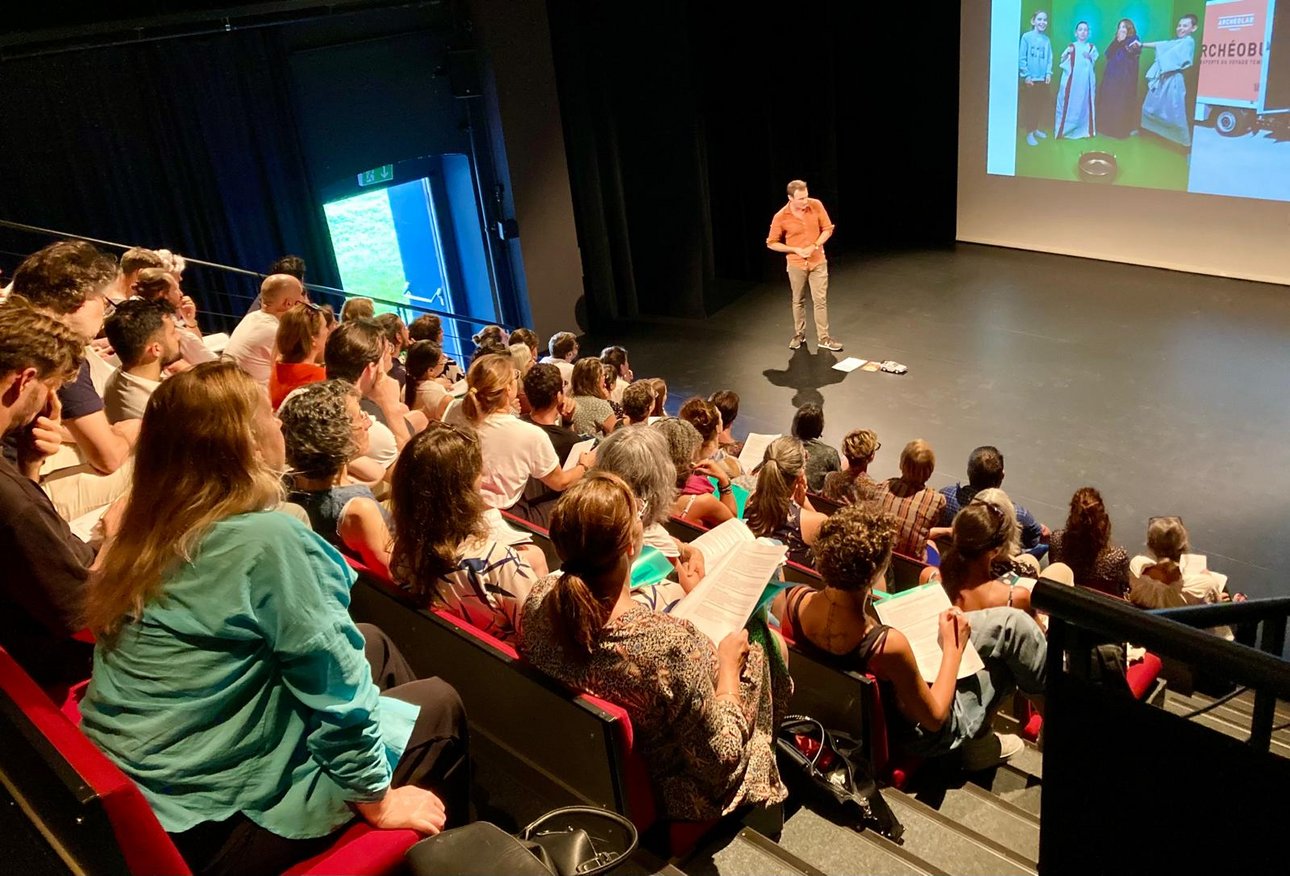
[[144, 845]]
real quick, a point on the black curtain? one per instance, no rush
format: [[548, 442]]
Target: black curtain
[[684, 120], [189, 145]]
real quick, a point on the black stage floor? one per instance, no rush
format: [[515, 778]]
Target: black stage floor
[[1166, 391]]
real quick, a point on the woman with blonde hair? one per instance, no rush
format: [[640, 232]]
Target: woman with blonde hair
[[1170, 574], [705, 716], [444, 550], [778, 508], [513, 451], [224, 641], [302, 336], [593, 415]]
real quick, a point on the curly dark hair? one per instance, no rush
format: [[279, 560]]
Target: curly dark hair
[[702, 415], [60, 277], [434, 505], [1088, 531], [854, 547], [317, 427]]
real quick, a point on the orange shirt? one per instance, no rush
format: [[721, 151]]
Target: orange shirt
[[287, 376], [793, 230]]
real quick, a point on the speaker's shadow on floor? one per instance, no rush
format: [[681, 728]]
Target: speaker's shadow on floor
[[806, 373]]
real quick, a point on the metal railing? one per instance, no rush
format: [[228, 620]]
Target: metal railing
[[408, 310]]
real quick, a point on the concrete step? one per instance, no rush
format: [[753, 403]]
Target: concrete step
[[1228, 723], [1017, 787], [747, 853], [838, 850], [990, 815], [950, 846]]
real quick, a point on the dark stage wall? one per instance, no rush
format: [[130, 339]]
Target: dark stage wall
[[684, 121]]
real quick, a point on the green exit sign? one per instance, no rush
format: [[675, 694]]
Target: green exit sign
[[376, 175]]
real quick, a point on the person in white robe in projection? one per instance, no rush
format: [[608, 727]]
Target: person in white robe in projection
[[1076, 115], [1164, 110]]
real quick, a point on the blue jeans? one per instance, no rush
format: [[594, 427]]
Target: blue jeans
[[1015, 654]]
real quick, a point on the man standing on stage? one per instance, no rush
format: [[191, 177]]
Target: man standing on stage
[[799, 230]]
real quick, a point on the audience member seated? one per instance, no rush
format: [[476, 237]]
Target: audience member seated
[[726, 401], [145, 339], [640, 458], [705, 417], [980, 537], [563, 349], [445, 550], [684, 446], [638, 402], [325, 428], [513, 451], [985, 470], [853, 485], [160, 285], [915, 506], [705, 717], [779, 508], [1171, 575], [357, 308], [277, 733], [852, 555], [357, 352], [396, 335], [292, 266], [821, 459], [527, 357], [660, 396], [549, 410], [251, 344], [301, 340], [1085, 545], [45, 565], [429, 327], [66, 280], [133, 261], [426, 389], [593, 415], [616, 357]]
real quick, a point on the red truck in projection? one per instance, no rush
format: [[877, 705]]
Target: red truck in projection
[[1244, 79]]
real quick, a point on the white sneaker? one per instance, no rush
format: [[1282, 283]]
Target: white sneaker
[[1030, 138], [989, 751], [1041, 135]]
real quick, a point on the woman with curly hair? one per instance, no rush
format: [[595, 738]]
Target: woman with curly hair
[[324, 429], [1085, 546], [444, 550], [704, 416], [852, 553], [853, 484]]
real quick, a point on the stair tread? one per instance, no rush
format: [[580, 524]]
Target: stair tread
[[1238, 727], [952, 847], [992, 816], [834, 849]]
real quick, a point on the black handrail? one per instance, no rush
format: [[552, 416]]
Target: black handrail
[[1117, 620], [1251, 610], [313, 287]]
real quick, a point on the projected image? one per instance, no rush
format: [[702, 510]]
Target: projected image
[[1185, 95]]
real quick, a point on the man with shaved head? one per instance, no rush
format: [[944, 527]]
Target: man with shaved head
[[252, 342]]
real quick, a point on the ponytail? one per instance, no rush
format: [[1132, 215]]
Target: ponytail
[[768, 506], [489, 378], [576, 615], [471, 407]]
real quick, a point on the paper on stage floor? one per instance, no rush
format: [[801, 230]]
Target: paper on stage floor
[[576, 451], [916, 613], [503, 532], [754, 449], [849, 364], [737, 570]]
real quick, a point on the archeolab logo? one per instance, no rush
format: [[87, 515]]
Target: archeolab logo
[[1235, 22]]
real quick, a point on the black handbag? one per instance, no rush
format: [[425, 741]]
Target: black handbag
[[570, 841], [830, 768]]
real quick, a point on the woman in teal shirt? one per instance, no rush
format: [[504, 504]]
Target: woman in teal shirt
[[229, 681]]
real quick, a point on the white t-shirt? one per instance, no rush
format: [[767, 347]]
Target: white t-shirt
[[126, 396], [251, 345], [430, 395], [382, 447], [513, 452], [566, 371]]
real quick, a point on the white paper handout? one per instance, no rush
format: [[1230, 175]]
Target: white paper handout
[[458, 389], [576, 451], [215, 342], [754, 449], [501, 531], [83, 527], [737, 568], [916, 613], [849, 364]]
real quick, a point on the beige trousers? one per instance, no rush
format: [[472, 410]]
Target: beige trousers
[[74, 486], [818, 279]]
